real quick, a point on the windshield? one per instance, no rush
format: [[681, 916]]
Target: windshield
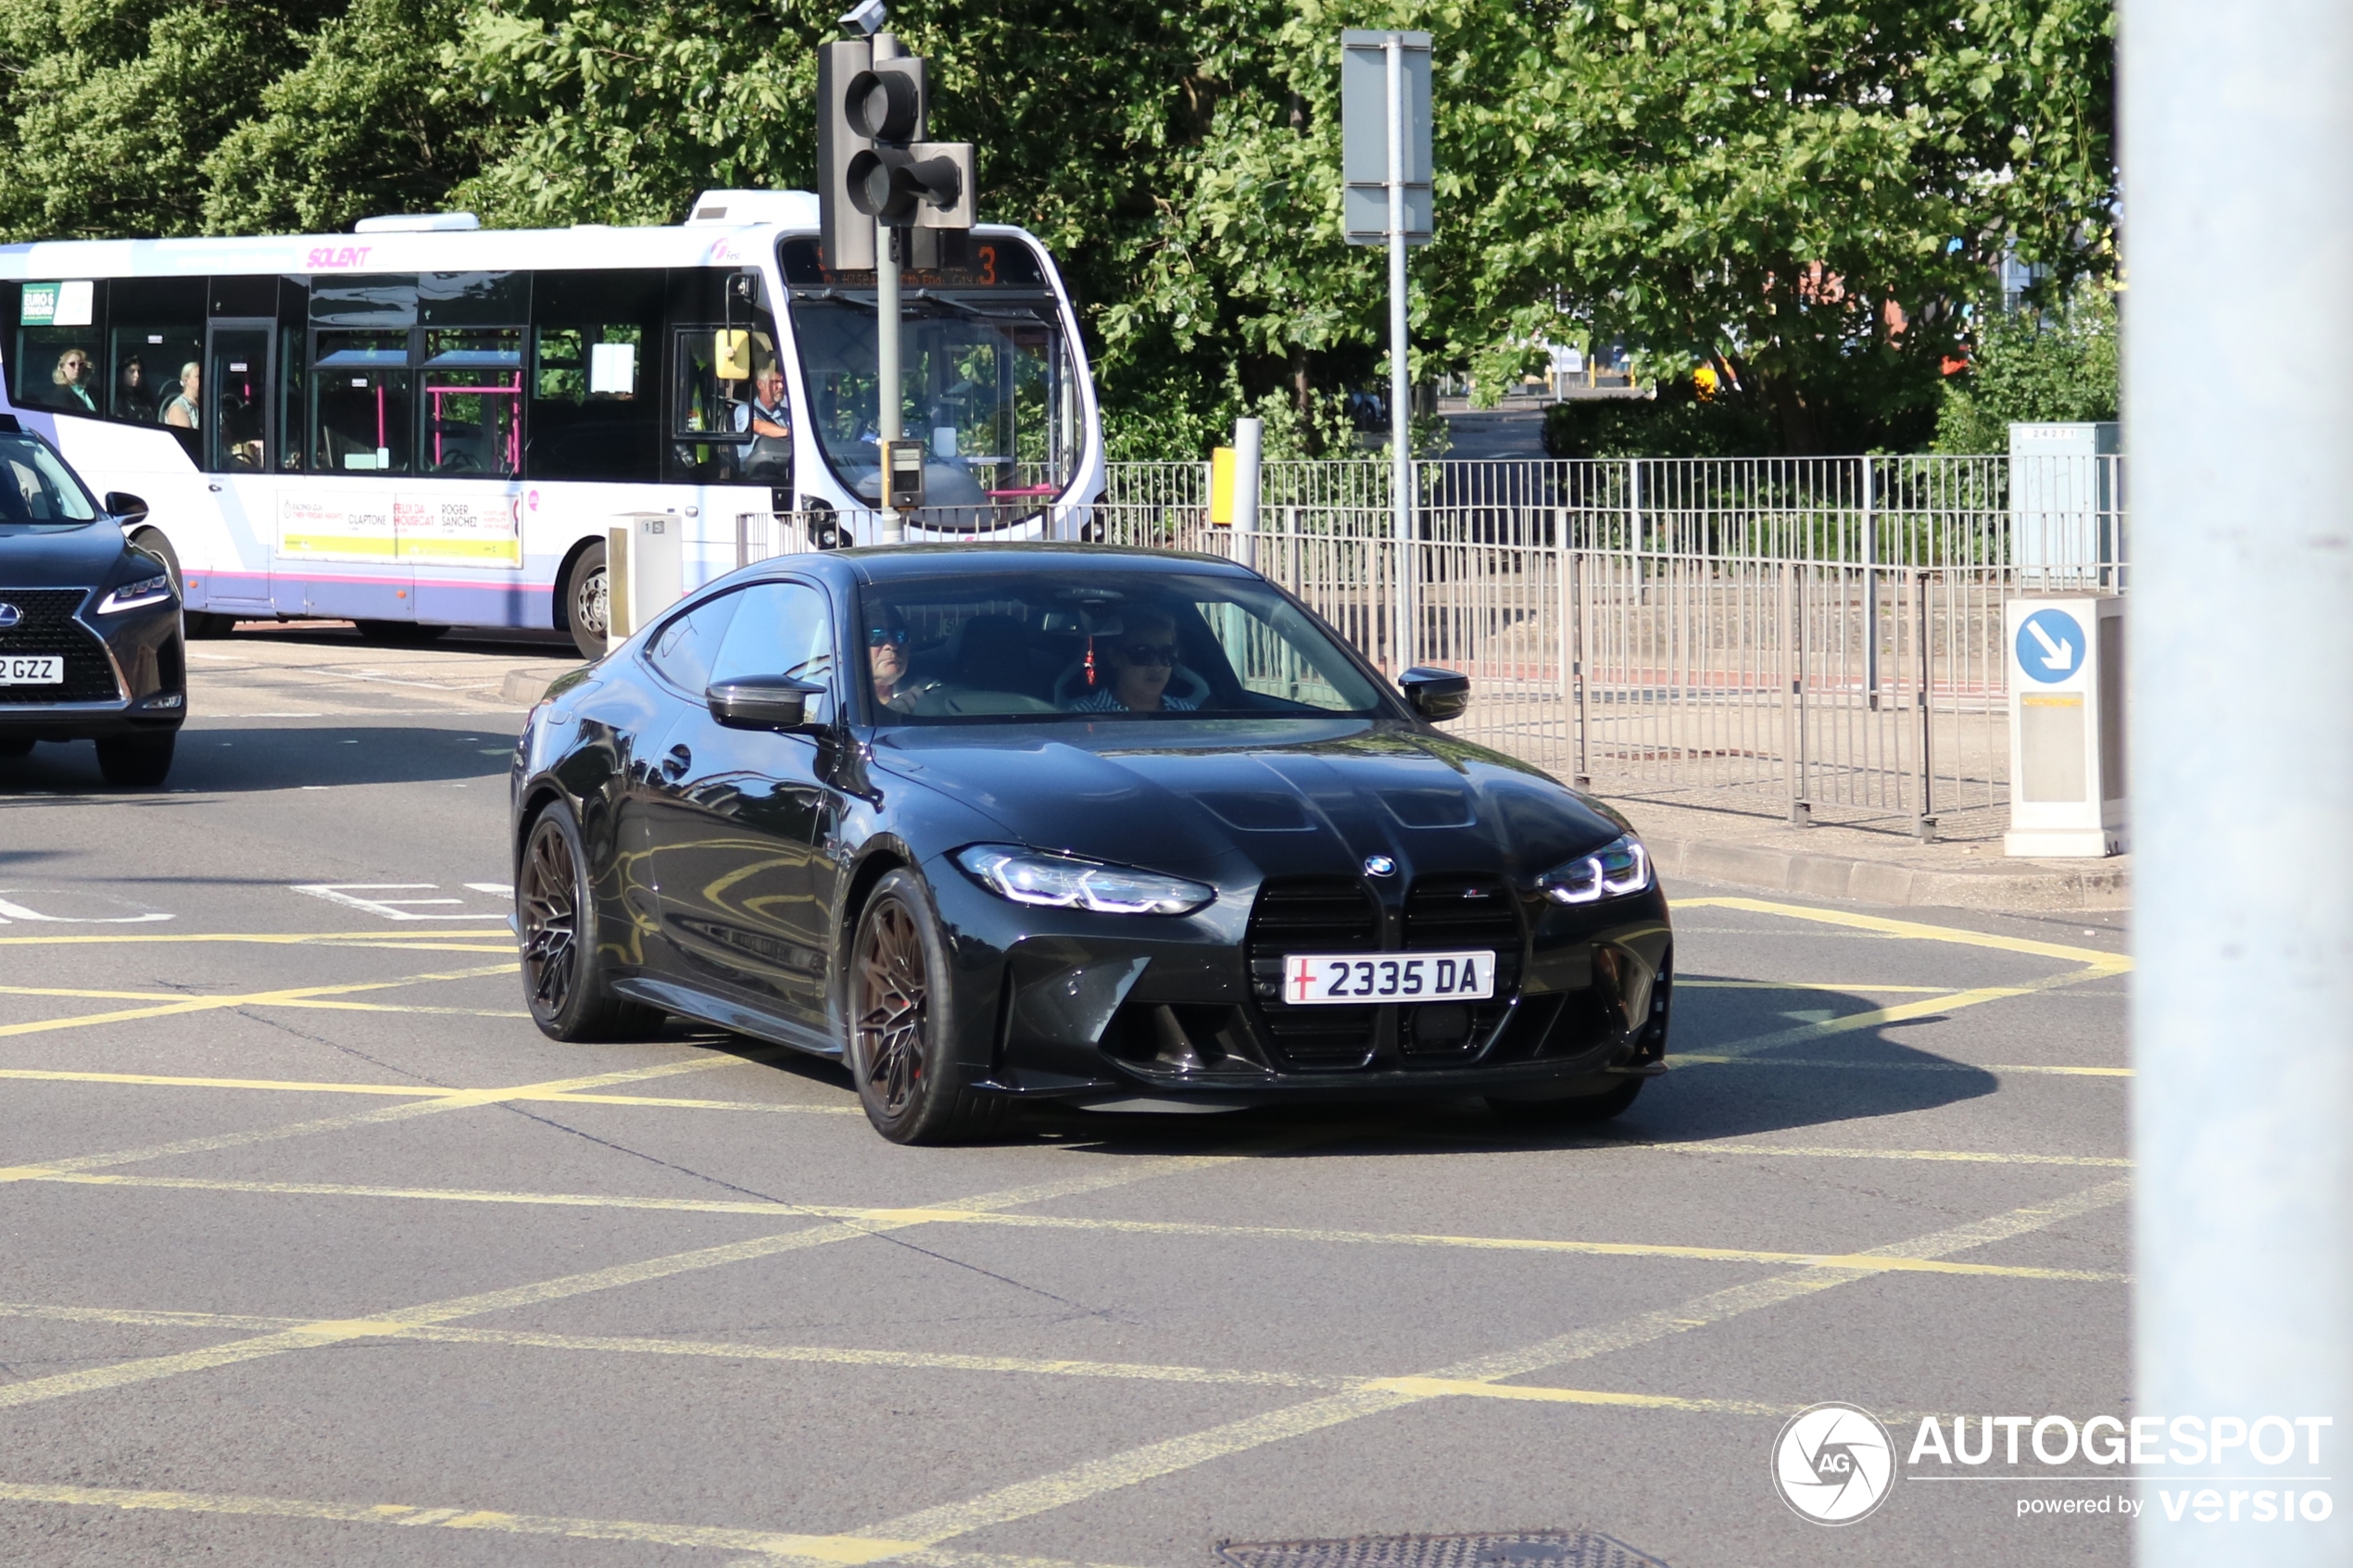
[[991, 647], [986, 378], [40, 493]]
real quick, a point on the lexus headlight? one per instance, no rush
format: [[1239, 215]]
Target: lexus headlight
[[1065, 882], [137, 595], [1617, 868]]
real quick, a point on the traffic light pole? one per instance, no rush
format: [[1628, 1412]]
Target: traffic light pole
[[1401, 454], [889, 417]]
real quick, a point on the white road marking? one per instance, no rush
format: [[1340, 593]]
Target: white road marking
[[347, 894], [13, 911]]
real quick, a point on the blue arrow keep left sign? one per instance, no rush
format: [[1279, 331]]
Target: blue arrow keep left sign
[[2050, 645]]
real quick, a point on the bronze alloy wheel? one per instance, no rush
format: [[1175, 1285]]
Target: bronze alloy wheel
[[563, 972], [548, 899], [894, 996], [911, 1076]]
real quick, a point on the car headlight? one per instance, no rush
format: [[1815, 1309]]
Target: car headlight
[[1617, 868], [1065, 881], [138, 595]]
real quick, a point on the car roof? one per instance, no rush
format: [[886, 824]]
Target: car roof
[[882, 563]]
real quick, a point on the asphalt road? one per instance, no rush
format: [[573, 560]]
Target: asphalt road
[[312, 1250]]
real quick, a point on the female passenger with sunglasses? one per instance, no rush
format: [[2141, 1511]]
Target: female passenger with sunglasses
[[1143, 659]]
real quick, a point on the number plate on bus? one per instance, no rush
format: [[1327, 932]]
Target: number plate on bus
[[1352, 979], [48, 669]]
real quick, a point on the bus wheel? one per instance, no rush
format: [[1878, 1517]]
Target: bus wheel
[[586, 602]]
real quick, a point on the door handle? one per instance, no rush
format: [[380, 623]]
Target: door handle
[[675, 766], [214, 488]]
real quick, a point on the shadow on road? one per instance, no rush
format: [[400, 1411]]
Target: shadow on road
[[236, 762]]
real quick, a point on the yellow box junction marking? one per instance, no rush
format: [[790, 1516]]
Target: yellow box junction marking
[[284, 995], [311, 1335], [458, 1100], [956, 1214], [1151, 1460], [920, 1361]]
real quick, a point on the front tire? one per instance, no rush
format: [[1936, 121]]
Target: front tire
[[1583, 1111], [565, 977], [588, 602], [137, 762], [902, 1032]]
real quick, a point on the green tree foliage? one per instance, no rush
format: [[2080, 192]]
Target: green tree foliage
[[1792, 191], [111, 107], [2033, 365], [358, 128]]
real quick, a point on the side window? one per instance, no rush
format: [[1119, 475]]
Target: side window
[[781, 629], [54, 361], [154, 355], [473, 401], [362, 392], [595, 388], [360, 403], [683, 650], [728, 421]]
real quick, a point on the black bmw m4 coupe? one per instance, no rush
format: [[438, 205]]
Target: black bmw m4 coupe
[[90, 635], [1002, 823]]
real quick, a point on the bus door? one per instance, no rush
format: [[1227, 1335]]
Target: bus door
[[232, 407]]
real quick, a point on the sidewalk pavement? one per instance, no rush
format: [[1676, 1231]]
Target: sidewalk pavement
[[1826, 862], [1830, 861]]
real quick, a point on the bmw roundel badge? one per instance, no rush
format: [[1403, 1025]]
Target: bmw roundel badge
[[9, 616], [1379, 865]]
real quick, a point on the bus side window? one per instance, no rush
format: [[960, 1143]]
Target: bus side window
[[155, 347], [53, 363], [594, 402]]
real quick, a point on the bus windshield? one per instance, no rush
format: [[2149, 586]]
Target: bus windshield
[[986, 379]]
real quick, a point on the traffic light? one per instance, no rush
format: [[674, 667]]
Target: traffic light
[[872, 160]]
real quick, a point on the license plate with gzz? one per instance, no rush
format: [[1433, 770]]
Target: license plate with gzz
[[1352, 980], [32, 669]]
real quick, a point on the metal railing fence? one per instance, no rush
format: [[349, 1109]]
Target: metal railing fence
[[1814, 638]]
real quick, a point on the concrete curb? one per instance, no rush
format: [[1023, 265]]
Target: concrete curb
[[530, 684], [2100, 884]]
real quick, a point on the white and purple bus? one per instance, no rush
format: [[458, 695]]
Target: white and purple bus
[[426, 424]]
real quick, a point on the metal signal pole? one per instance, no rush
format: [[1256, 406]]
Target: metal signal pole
[[889, 416], [1400, 388]]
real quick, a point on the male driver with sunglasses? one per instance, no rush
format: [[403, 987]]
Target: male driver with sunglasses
[[1142, 658], [887, 658]]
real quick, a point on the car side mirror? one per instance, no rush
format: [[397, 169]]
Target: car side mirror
[[126, 507], [1437, 695], [762, 702]]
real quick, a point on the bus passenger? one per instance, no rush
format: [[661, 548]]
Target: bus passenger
[[130, 387], [72, 374], [180, 408]]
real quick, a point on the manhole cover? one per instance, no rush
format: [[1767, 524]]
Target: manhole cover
[[1520, 1549]]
